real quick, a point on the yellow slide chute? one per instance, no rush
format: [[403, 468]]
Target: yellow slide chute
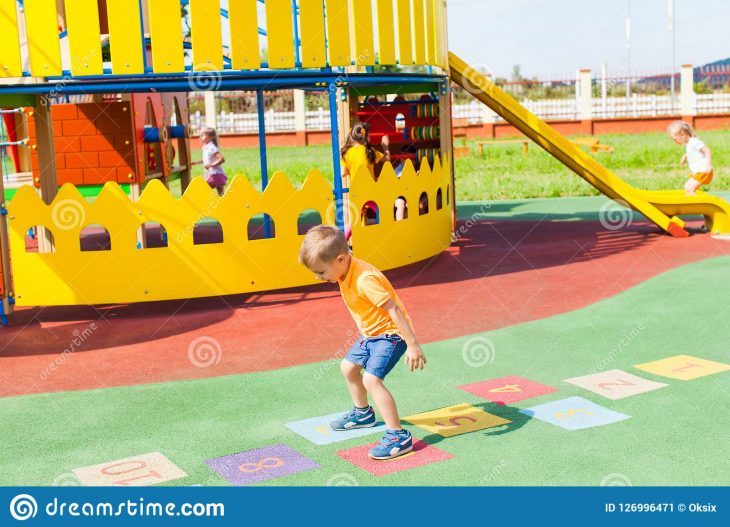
[[661, 207]]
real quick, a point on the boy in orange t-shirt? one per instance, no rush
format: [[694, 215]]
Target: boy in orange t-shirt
[[387, 335]]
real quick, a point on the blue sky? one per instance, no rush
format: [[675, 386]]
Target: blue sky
[[553, 38]]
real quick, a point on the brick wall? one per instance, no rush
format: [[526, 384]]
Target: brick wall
[[94, 143]]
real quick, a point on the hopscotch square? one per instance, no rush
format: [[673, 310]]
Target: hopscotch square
[[507, 390], [455, 420], [138, 471], [422, 454], [615, 384], [683, 367], [574, 413], [261, 464], [318, 431]]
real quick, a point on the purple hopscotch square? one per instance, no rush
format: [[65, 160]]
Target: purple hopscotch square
[[252, 466]]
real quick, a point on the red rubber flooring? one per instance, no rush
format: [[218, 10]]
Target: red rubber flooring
[[499, 274]]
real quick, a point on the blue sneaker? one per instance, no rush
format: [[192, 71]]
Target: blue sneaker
[[392, 445], [354, 419]]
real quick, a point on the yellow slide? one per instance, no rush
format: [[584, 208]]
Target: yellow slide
[[661, 207]]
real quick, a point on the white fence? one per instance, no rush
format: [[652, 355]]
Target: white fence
[[608, 108], [241, 123], [476, 113], [712, 102]]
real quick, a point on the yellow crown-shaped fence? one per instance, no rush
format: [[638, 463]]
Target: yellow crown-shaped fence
[[392, 243], [182, 269], [333, 33]]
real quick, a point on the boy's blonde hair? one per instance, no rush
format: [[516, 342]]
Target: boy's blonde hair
[[681, 126], [322, 243]]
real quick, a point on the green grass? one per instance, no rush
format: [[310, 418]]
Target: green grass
[[647, 161]]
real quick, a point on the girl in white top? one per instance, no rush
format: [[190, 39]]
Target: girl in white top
[[212, 160], [697, 156]]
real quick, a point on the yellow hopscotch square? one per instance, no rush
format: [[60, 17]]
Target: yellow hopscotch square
[[455, 420], [683, 367]]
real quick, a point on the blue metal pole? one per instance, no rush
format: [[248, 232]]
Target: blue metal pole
[[296, 30], [262, 153], [229, 81], [339, 212], [2, 152], [141, 27]]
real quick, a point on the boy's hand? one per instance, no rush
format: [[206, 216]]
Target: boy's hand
[[683, 161], [415, 359], [385, 141]]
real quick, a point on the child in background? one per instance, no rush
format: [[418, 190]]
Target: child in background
[[697, 156], [212, 160], [356, 152], [387, 334]]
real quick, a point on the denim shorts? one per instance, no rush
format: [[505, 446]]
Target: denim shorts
[[378, 355]]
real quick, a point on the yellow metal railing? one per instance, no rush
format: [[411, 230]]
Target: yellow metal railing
[[184, 269], [330, 33]]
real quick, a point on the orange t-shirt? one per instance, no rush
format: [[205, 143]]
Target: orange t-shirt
[[365, 290], [357, 157]]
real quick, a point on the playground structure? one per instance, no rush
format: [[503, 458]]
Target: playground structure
[[311, 46], [127, 138], [102, 49]]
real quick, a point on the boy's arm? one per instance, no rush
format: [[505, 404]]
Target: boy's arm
[[415, 358]]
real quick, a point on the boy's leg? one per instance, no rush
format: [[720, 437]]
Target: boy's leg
[[354, 380], [362, 416], [691, 186], [383, 400]]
